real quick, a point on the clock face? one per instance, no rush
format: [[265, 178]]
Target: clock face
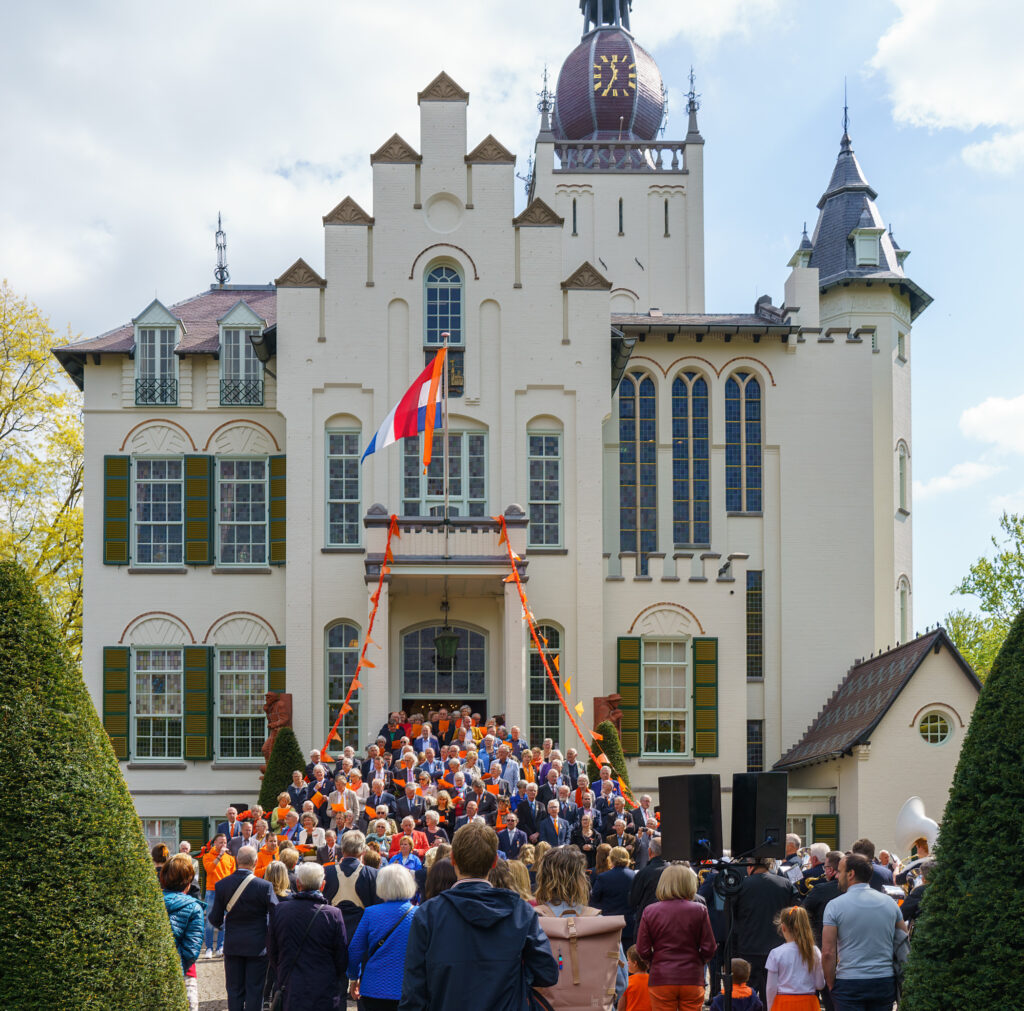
[[614, 76]]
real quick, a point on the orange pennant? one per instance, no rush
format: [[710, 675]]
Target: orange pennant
[[509, 579], [346, 709], [388, 555], [371, 811], [367, 663], [493, 789], [317, 799], [596, 735], [375, 598], [356, 684], [556, 661]]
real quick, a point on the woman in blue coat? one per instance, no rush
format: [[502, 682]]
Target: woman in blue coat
[[376, 972], [187, 917]]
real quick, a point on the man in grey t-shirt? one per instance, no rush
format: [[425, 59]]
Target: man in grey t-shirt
[[858, 930]]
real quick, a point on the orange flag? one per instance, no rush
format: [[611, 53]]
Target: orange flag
[[318, 800], [493, 789], [371, 811]]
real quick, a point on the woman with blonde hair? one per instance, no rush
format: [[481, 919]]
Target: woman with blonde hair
[[675, 938], [794, 968], [280, 813], [521, 880], [540, 851], [277, 874]]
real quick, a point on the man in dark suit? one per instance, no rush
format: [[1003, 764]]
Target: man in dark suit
[[620, 837], [465, 819], [554, 830], [643, 814], [486, 803], [549, 791], [511, 839], [530, 813], [245, 901], [232, 826], [645, 884], [378, 795], [411, 806], [566, 808], [328, 853], [297, 792], [241, 838]]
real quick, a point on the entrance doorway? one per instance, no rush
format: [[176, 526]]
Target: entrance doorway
[[429, 682], [451, 703]]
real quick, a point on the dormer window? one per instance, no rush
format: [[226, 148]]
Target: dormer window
[[241, 374], [866, 244], [156, 366]]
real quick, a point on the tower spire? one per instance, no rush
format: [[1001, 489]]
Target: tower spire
[[220, 272], [545, 105], [846, 144], [692, 105]]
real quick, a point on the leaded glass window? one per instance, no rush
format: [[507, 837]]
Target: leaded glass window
[[423, 494], [691, 461], [342, 488], [464, 676], [157, 698], [664, 697], [743, 434], [242, 512], [241, 692], [158, 504], [342, 659], [161, 830], [755, 745], [638, 468], [545, 711], [545, 489], [443, 306], [755, 624]]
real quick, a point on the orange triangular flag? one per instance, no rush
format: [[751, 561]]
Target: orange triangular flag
[[356, 684], [596, 735], [556, 662], [388, 555], [568, 684], [375, 598], [367, 663], [497, 519], [371, 811], [502, 539], [579, 708], [508, 579], [345, 709], [393, 530]]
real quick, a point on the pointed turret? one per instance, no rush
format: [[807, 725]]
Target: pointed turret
[[850, 241]]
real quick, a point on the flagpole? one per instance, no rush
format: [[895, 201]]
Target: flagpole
[[444, 417]]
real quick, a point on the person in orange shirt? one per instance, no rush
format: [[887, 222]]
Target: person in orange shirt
[[636, 996], [219, 864], [267, 853]]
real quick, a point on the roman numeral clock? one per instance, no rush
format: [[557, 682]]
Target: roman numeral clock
[[614, 76]]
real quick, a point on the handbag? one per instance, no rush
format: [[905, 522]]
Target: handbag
[[273, 996], [380, 944]]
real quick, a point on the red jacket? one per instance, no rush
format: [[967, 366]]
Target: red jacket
[[420, 845], [675, 938]]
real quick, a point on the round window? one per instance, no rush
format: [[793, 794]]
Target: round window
[[935, 728]]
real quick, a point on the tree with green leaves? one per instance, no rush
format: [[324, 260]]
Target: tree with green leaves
[[41, 463], [965, 952], [998, 585], [92, 910], [612, 747], [285, 758]]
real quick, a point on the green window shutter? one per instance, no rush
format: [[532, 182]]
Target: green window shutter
[[705, 698], [199, 526], [117, 473], [628, 686], [278, 511], [198, 703], [194, 830], [116, 673], [275, 669], [825, 828]]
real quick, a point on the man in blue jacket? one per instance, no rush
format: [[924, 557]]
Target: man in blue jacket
[[554, 830], [475, 935], [244, 901], [511, 839]]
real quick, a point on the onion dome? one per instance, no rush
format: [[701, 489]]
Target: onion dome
[[609, 88]]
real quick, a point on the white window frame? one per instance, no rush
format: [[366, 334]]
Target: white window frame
[[249, 367], [256, 712], [165, 362], [135, 714], [355, 717], [265, 460], [328, 501], [433, 504], [559, 501], [456, 341], [685, 645], [534, 734], [136, 523], [924, 734], [170, 839]]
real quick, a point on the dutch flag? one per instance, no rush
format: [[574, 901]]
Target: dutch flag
[[419, 410]]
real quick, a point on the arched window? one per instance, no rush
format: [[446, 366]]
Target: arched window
[[444, 307], [342, 656], [638, 467], [743, 477], [423, 677], [903, 464], [545, 719], [904, 594], [691, 464]]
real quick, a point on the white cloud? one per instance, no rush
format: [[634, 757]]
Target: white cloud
[[955, 64], [1011, 503], [959, 476], [997, 420]]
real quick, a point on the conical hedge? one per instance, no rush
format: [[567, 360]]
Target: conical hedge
[[285, 758], [612, 747], [965, 952], [82, 922]]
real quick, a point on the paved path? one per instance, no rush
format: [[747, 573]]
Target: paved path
[[212, 995]]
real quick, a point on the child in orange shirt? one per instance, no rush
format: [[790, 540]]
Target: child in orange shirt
[[636, 996]]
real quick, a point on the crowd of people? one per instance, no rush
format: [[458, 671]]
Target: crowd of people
[[454, 860]]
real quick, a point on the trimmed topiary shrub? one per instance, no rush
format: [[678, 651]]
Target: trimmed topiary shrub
[[83, 926], [285, 757], [965, 952], [612, 747]]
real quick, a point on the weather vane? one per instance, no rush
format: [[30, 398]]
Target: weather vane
[[221, 270], [693, 99]]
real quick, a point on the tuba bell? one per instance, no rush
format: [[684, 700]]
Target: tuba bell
[[915, 828]]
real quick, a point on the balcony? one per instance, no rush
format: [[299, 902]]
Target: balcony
[[241, 393], [620, 156], [149, 392], [471, 547]]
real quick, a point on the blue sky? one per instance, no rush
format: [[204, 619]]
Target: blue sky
[[133, 129]]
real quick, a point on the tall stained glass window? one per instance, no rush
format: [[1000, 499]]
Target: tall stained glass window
[[638, 467], [691, 460], [743, 434]]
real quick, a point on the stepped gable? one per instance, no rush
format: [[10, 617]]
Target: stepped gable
[[863, 698], [490, 151], [396, 151], [348, 212], [300, 275]]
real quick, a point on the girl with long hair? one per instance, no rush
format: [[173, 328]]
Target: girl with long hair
[[794, 968]]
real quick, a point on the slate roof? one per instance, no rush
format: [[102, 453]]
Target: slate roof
[[849, 203], [705, 322], [863, 698], [198, 316]]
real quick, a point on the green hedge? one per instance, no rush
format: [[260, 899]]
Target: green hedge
[[612, 747], [965, 952], [82, 923], [285, 758]]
